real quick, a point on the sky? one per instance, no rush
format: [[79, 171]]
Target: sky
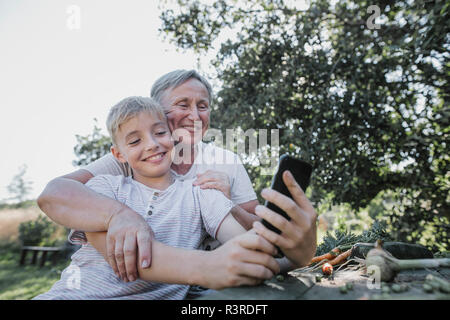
[[64, 63]]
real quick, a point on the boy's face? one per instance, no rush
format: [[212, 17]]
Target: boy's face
[[146, 144]]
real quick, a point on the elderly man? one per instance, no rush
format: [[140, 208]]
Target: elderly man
[[186, 98]]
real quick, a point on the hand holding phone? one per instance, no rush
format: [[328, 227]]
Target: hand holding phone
[[301, 172]]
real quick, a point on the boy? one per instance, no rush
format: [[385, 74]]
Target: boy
[[180, 215]]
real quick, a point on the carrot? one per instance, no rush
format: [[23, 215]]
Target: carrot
[[341, 258], [329, 256]]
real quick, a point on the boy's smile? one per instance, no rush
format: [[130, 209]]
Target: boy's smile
[[145, 142], [155, 158]]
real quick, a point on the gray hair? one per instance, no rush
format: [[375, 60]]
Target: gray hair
[[129, 108], [174, 79]]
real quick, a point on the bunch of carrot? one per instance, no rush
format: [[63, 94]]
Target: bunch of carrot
[[334, 257]]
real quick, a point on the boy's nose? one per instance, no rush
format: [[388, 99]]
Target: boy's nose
[[151, 143]]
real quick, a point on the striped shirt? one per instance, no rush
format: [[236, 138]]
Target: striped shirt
[[209, 157], [180, 216]]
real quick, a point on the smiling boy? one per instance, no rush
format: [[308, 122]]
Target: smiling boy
[[181, 216]]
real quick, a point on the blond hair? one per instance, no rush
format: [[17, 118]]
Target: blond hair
[[129, 108]]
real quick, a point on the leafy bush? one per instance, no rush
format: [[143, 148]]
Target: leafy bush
[[36, 232], [345, 238]]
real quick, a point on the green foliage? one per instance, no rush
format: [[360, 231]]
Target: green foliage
[[91, 147], [346, 238], [20, 188], [37, 232], [367, 107]]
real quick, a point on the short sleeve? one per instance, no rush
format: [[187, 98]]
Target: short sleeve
[[241, 186], [108, 164], [101, 184], [214, 207]]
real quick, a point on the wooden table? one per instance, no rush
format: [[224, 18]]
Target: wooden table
[[306, 286]]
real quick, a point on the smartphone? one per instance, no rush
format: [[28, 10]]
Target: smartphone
[[301, 171]]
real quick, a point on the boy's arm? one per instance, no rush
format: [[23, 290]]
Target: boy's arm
[[212, 179], [230, 228], [245, 218], [67, 201], [243, 260], [249, 206]]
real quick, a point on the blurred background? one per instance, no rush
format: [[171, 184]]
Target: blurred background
[[357, 88]]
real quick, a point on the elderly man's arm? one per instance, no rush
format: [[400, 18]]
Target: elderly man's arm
[[67, 201]]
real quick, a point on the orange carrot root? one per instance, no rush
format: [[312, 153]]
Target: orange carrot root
[[341, 258], [329, 256]]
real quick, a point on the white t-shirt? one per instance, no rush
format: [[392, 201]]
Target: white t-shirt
[[209, 157], [181, 216]]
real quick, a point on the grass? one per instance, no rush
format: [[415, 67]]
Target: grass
[[25, 282]]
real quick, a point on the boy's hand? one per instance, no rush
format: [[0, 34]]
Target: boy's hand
[[126, 230], [298, 236], [246, 259], [211, 179]]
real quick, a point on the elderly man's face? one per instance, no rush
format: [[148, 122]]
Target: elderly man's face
[[185, 105]]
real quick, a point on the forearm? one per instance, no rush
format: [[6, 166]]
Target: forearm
[[170, 265], [249, 206], [244, 218], [174, 265], [73, 205]]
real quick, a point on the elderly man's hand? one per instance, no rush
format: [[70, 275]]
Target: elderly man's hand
[[298, 236], [128, 231], [211, 179]]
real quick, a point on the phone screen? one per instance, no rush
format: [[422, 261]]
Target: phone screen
[[301, 171]]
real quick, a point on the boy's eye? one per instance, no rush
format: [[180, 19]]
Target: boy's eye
[[161, 133], [135, 141]]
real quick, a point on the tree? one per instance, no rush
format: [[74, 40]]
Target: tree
[[91, 147], [367, 106], [19, 188]]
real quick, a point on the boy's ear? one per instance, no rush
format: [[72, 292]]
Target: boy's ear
[[117, 154]]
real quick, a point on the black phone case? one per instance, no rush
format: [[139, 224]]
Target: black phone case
[[301, 171]]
